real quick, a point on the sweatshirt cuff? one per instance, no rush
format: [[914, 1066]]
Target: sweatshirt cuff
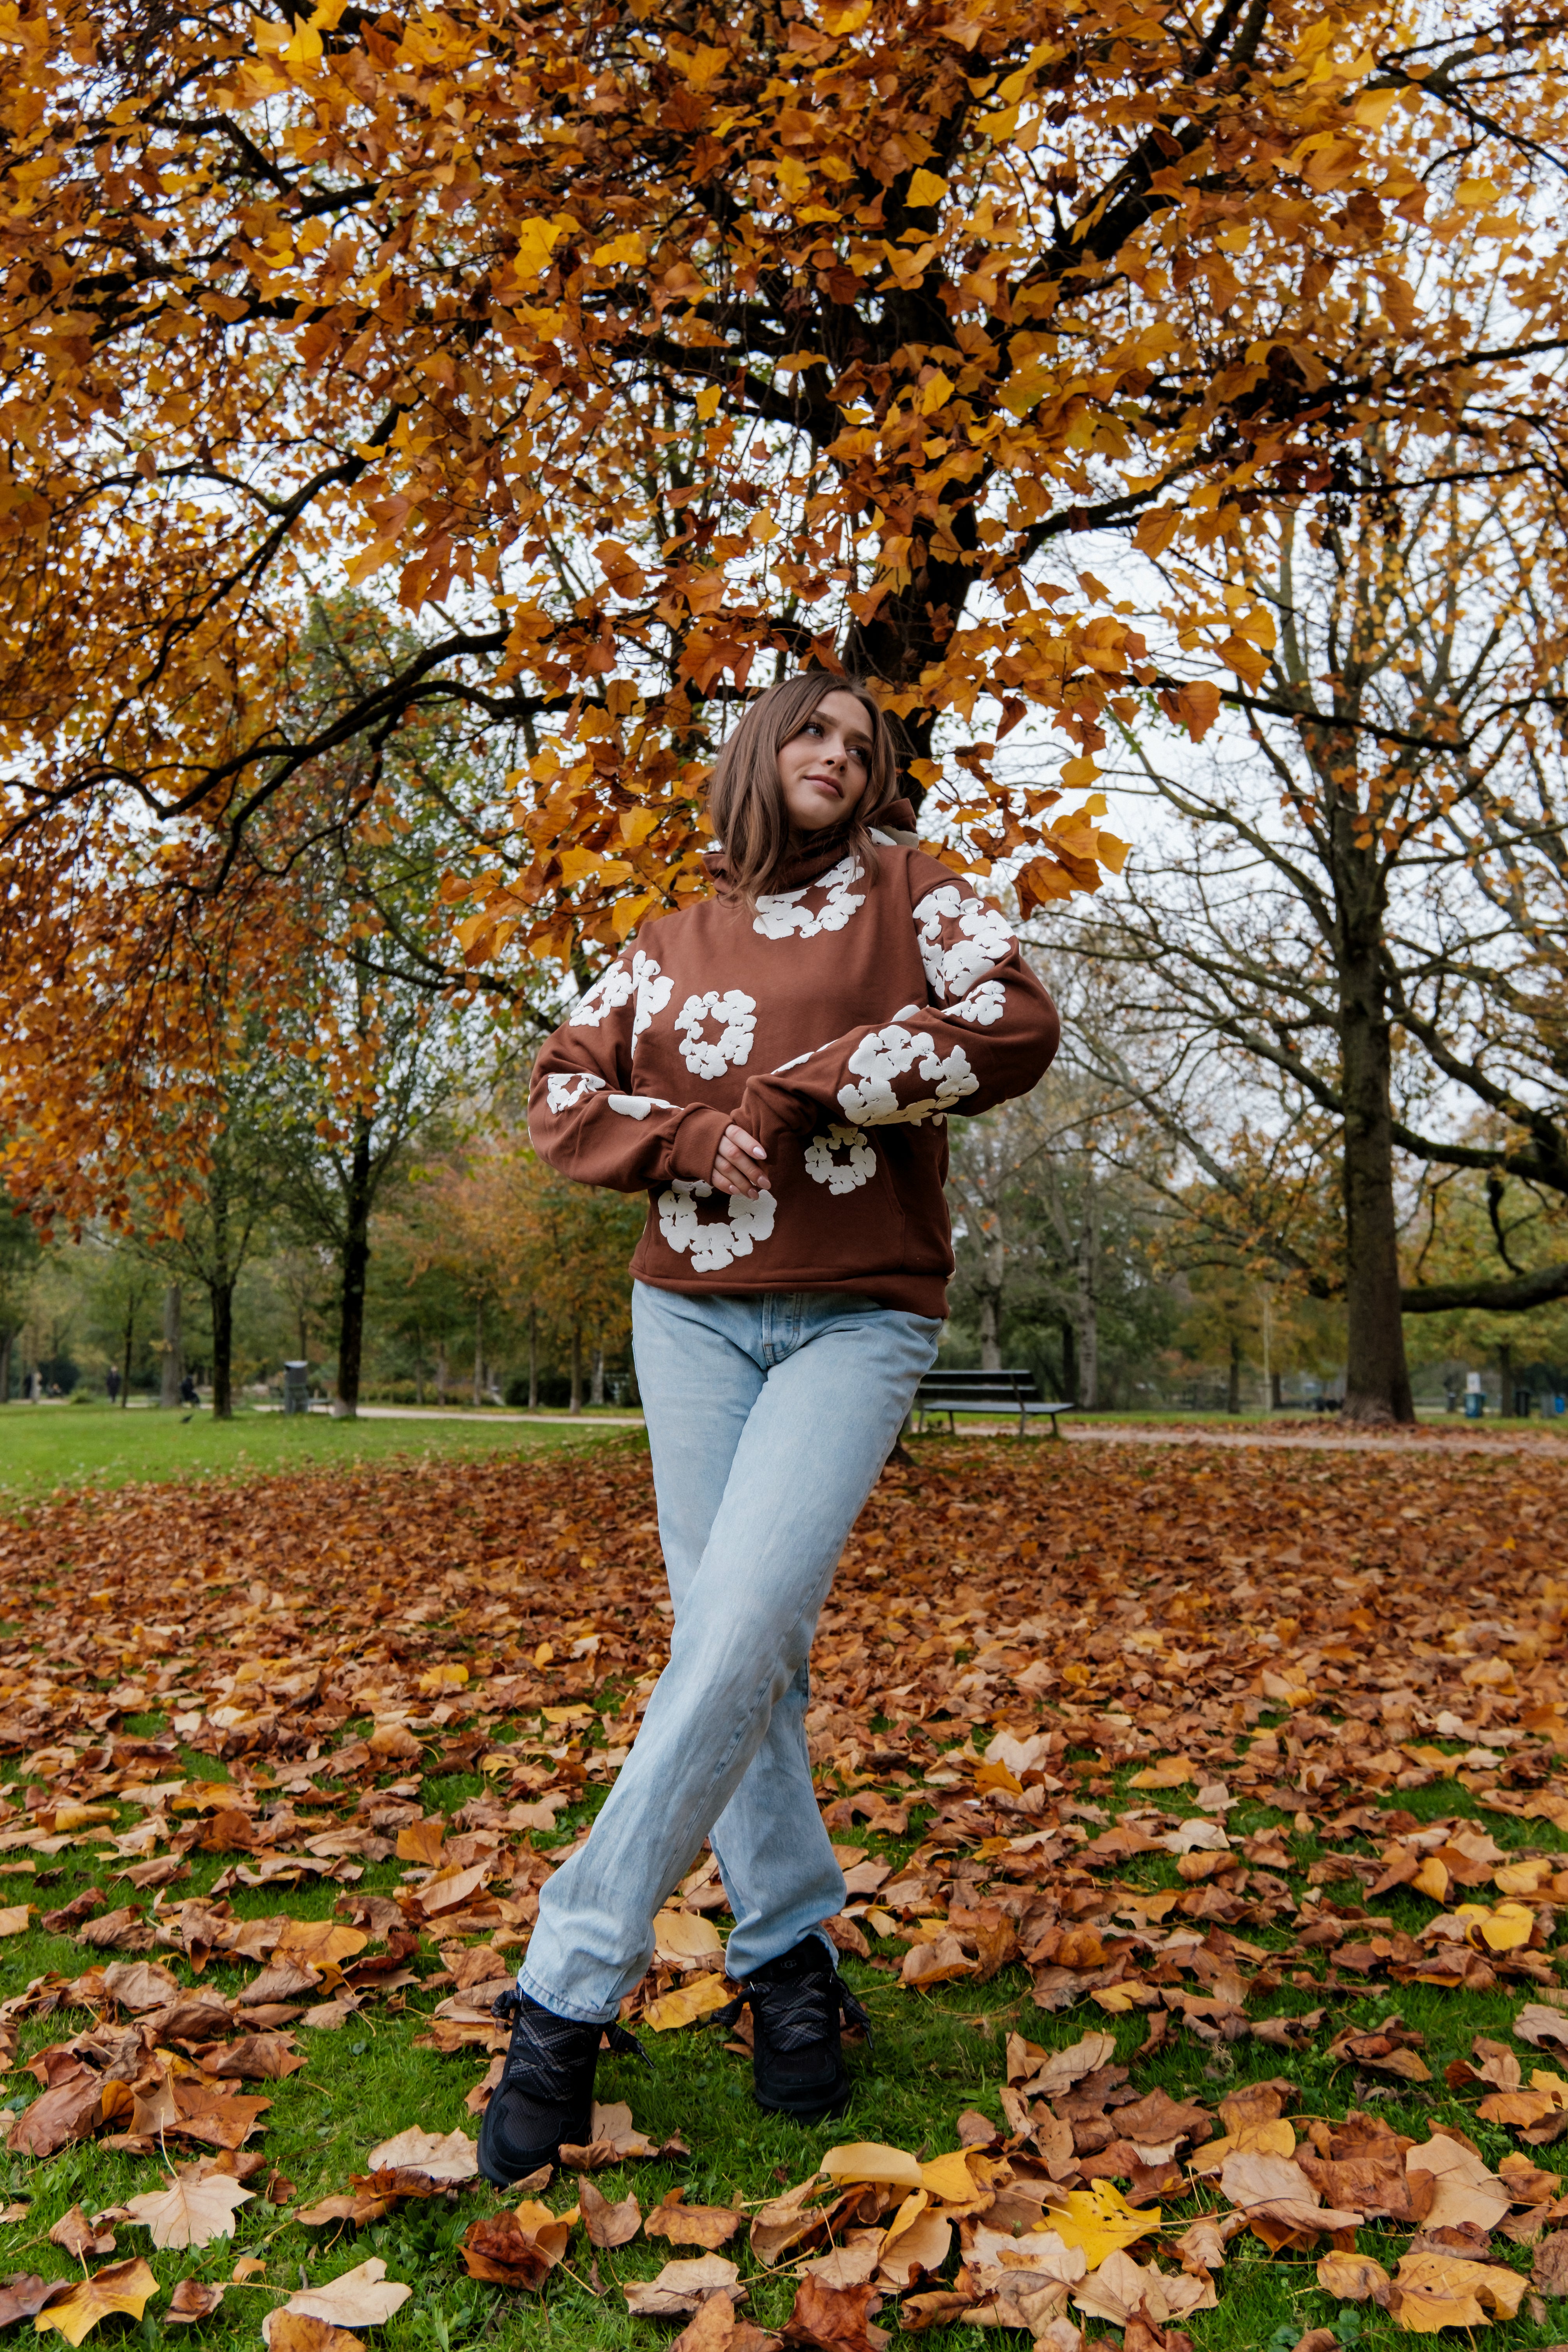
[[696, 1144], [770, 1111]]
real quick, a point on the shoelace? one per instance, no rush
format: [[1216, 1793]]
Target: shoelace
[[799, 2011], [553, 2051]]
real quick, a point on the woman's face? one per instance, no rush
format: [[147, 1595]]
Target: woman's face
[[825, 767]]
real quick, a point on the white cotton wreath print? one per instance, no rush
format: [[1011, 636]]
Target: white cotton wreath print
[[824, 1166], [784, 914], [710, 1057], [713, 1248]]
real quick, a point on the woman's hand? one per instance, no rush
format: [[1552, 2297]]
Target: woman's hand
[[735, 1167]]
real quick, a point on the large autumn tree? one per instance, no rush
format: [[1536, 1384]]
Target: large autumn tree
[[635, 349]]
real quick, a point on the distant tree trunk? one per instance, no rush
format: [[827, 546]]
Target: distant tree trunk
[[220, 1291], [125, 1363], [1276, 1393], [1505, 1374], [1233, 1390], [171, 1368], [596, 1377], [478, 1352], [355, 1264], [990, 1345], [1377, 1376], [533, 1359], [994, 1260], [1069, 1360], [441, 1372], [576, 1404], [222, 1296], [419, 1366], [6, 1338], [1087, 1315]]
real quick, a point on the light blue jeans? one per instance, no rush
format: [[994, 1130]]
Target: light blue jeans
[[768, 1417]]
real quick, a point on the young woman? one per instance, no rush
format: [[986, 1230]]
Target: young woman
[[774, 1065]]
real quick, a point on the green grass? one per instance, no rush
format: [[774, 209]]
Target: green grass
[[935, 2054], [53, 1446]]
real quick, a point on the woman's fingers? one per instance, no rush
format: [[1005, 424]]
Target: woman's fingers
[[738, 1164]]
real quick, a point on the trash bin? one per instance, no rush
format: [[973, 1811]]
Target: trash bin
[[1523, 1401], [296, 1388], [1475, 1397]]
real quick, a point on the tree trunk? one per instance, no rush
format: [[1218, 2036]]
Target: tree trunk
[[1233, 1387], [1276, 1393], [441, 1372], [576, 1404], [171, 1368], [533, 1359], [990, 1345], [124, 1368], [596, 1377], [1069, 1360], [1377, 1377], [994, 1260], [418, 1367], [220, 1290], [221, 1295], [1088, 1300], [355, 1264], [1506, 1375], [5, 1337], [478, 1352]]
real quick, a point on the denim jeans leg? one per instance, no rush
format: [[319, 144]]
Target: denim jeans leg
[[819, 1427]]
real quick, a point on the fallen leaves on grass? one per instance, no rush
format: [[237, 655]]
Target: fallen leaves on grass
[[127, 2288], [835, 2319], [691, 2225], [680, 2286], [517, 2249], [363, 2297], [440, 2156], [80, 2237], [190, 2212], [607, 2225], [190, 2303]]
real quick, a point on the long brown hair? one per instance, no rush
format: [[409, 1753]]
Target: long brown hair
[[745, 799]]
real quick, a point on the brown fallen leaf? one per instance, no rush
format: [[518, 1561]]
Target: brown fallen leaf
[[680, 2286], [835, 2319], [1548, 2274], [691, 2225], [256, 2058], [1351, 2278], [301, 2331], [1432, 2291], [1465, 2189], [363, 2297], [23, 2293], [128, 2288], [140, 1985], [190, 2303], [190, 2213], [515, 2248], [71, 2109], [443, 2155], [1541, 2027], [607, 2225], [1390, 2050], [78, 2235]]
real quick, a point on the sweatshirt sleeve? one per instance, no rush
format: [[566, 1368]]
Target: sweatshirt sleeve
[[987, 1032], [585, 1115]]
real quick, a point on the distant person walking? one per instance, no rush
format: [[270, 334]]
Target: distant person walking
[[189, 1393], [111, 1382]]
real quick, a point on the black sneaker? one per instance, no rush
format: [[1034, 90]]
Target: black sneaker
[[798, 2004], [546, 2095]]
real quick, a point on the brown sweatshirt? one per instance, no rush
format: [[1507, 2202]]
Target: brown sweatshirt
[[837, 1022]]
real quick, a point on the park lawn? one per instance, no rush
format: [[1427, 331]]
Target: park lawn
[[575, 1528], [50, 1445]]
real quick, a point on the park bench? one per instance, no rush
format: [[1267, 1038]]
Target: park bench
[[951, 1392]]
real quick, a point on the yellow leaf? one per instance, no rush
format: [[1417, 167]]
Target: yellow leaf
[[927, 188], [697, 1998], [1170, 1773], [1099, 2220], [126, 2286], [866, 2159], [708, 400], [536, 240], [1509, 1928], [1474, 195], [1432, 1879], [627, 250], [1079, 772], [841, 16], [949, 2180], [438, 1678], [936, 393]]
